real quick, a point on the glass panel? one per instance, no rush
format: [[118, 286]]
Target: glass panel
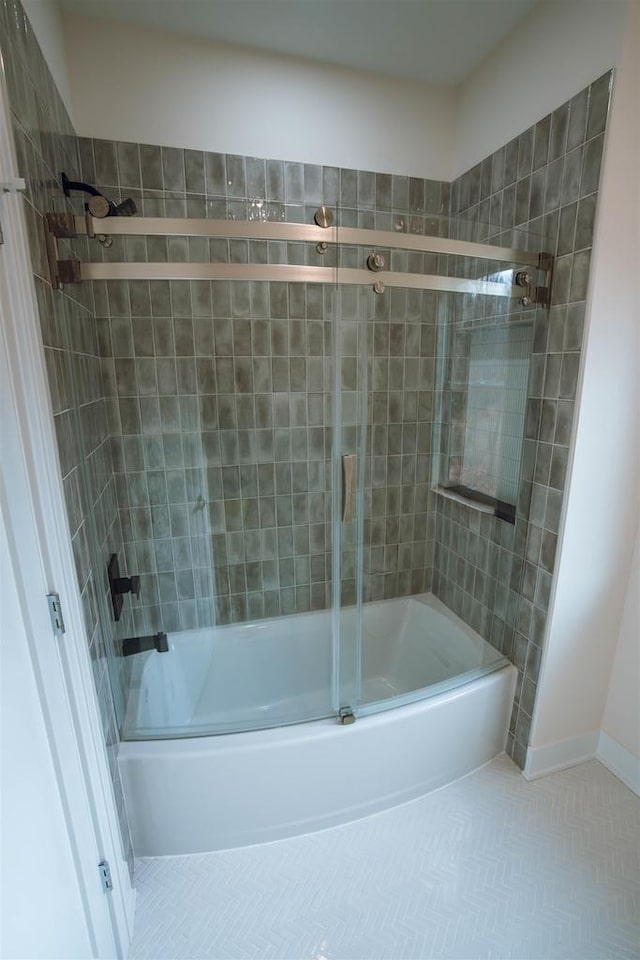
[[485, 346], [407, 643], [484, 349], [397, 655], [235, 459]]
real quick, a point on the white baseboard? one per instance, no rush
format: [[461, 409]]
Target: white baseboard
[[620, 761], [558, 756], [569, 753]]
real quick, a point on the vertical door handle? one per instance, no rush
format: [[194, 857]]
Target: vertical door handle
[[349, 461]]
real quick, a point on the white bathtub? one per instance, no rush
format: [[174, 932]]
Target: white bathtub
[[199, 793]]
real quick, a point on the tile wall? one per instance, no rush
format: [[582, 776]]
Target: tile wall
[[45, 145], [220, 393], [497, 576]]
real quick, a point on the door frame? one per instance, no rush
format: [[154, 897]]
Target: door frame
[[42, 559]]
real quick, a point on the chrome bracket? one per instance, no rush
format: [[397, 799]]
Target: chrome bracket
[[346, 716], [57, 226], [61, 225], [532, 294]]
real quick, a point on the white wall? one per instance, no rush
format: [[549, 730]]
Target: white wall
[[556, 51], [622, 710], [41, 910], [133, 83], [45, 18], [180, 91], [604, 499]]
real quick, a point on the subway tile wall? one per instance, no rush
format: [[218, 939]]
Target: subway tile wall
[[399, 524], [45, 145], [494, 575], [220, 393]]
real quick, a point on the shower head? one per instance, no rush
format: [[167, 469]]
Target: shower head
[[98, 205]]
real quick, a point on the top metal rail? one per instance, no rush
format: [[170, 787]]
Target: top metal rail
[[322, 233], [295, 232]]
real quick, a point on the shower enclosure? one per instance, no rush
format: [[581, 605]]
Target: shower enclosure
[[287, 399]]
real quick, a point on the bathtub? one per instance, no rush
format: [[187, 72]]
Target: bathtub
[[198, 792]]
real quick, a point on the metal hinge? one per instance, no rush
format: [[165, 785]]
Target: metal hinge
[[17, 185], [105, 875], [55, 612]]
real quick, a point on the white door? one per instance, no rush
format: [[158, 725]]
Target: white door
[[58, 818]]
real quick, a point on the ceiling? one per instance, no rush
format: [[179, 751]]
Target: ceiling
[[434, 41]]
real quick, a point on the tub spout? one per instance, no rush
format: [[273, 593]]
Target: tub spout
[[154, 641]]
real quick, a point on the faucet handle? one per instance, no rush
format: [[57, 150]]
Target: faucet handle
[[127, 585], [120, 585]]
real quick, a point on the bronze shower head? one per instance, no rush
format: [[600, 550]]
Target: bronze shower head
[[98, 205]]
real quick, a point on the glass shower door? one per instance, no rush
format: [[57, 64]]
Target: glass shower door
[[386, 358], [263, 434], [387, 361], [387, 390]]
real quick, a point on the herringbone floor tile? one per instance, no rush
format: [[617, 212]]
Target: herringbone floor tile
[[489, 867]]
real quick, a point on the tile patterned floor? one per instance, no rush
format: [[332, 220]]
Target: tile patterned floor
[[488, 867]]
